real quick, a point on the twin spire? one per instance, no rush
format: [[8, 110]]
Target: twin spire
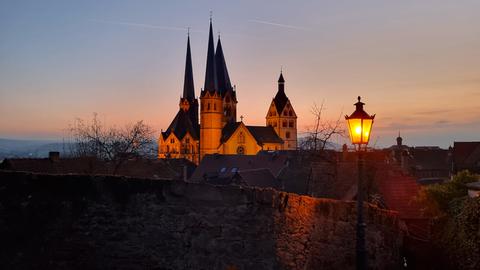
[[188, 87], [216, 73]]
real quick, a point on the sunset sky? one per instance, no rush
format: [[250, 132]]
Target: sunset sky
[[416, 64]]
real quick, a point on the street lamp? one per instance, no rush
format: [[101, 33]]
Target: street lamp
[[359, 127]]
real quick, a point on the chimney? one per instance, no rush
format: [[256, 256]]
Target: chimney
[[54, 155]]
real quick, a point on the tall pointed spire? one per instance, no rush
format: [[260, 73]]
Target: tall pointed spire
[[280, 98], [211, 72], [281, 82], [188, 87], [224, 83]]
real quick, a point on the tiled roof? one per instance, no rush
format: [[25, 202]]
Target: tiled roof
[[261, 134], [226, 164], [264, 134], [399, 192], [228, 130], [465, 152], [262, 177], [430, 158]]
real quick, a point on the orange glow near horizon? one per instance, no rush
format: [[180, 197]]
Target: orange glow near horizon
[[418, 64]]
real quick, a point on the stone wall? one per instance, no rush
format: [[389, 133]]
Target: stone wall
[[102, 222]]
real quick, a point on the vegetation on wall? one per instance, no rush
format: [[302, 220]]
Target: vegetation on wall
[[456, 218]]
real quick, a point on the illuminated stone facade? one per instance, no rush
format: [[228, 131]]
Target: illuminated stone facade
[[216, 130]]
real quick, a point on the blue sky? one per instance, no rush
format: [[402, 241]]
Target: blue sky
[[416, 63]]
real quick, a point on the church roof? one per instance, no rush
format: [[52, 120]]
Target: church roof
[[259, 133], [280, 101], [211, 83], [228, 130], [188, 87], [264, 134], [223, 79], [182, 124], [280, 98]]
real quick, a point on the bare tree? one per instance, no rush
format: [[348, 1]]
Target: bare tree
[[112, 144], [322, 131]]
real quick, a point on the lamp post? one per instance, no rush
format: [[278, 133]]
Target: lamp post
[[359, 126]]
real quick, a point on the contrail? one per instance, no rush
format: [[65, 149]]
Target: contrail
[[278, 24], [143, 25]]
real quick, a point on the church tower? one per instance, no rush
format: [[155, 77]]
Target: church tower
[[228, 93], [282, 117], [181, 138], [211, 105]]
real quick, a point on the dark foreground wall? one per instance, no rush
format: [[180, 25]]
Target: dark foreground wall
[[82, 222]]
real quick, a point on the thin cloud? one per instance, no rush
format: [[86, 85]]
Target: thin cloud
[[278, 24], [143, 25], [433, 112]]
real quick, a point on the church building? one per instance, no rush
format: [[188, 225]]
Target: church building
[[218, 131]]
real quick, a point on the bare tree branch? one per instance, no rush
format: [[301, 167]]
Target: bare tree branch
[[111, 144], [321, 132]]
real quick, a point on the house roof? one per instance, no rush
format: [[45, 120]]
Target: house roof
[[430, 158], [399, 191], [466, 152], [262, 177], [182, 124], [226, 164]]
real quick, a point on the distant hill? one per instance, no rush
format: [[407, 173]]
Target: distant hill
[[11, 148]]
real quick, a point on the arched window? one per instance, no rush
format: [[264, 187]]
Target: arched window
[[168, 148], [241, 138], [214, 106], [287, 135], [208, 106]]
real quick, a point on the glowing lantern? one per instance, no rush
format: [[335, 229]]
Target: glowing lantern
[[359, 124]]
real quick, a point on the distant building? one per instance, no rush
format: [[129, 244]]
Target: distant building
[[466, 156], [429, 164], [218, 131]]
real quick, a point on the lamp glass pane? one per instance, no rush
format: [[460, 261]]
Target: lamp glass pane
[[355, 129], [367, 127]]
